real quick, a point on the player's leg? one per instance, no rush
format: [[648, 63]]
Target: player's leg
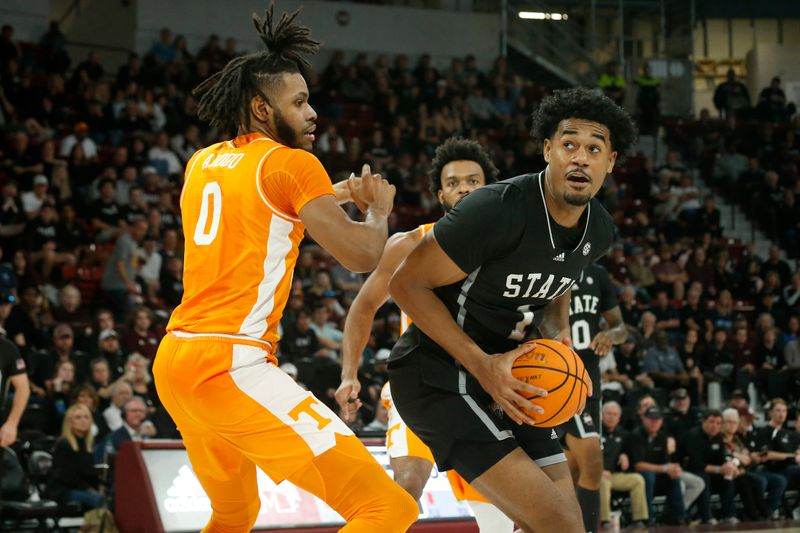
[[523, 491], [317, 452], [582, 438], [411, 473], [466, 433], [261, 412], [490, 519], [588, 456], [410, 459], [228, 478], [349, 479]]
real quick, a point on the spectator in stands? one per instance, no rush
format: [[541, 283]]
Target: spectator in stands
[[32, 201], [731, 96], [87, 395], [648, 99], [744, 358], [62, 350], [772, 103], [705, 455], [682, 415], [775, 483], [670, 275], [722, 315], [616, 462], [141, 336], [667, 318], [73, 477], [105, 213], [163, 50], [750, 488], [137, 375], [162, 158], [788, 219], [663, 364], [328, 335], [121, 392], [119, 279], [100, 379], [69, 310], [782, 454], [31, 318], [612, 84], [300, 341], [650, 452], [135, 425]]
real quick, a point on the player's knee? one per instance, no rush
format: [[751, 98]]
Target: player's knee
[[411, 483], [396, 512]]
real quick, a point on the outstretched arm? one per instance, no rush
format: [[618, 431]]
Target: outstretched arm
[[358, 324]]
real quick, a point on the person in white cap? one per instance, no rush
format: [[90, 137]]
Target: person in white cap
[[33, 200]]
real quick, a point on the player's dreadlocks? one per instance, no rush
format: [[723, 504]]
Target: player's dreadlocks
[[224, 98]]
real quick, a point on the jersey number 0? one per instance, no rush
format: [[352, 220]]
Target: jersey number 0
[[204, 234]]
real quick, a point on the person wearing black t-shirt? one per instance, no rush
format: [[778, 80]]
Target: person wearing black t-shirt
[[706, 455], [616, 468], [651, 451], [592, 297], [782, 453], [104, 213], [495, 272]]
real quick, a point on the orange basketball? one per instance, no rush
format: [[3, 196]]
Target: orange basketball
[[559, 370]]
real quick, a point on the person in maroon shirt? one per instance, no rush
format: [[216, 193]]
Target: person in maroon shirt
[[141, 336]]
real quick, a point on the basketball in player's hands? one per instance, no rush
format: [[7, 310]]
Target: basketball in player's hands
[[555, 367]]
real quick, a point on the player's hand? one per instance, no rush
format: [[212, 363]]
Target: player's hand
[[347, 398], [496, 378], [8, 434], [601, 344], [343, 191], [373, 192]]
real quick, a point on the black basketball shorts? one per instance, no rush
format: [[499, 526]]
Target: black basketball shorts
[[465, 429]]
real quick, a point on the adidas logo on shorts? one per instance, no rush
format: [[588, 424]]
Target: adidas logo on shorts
[[553, 434], [559, 257]]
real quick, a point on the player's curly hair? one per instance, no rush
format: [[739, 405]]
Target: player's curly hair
[[459, 149], [586, 104], [224, 98]]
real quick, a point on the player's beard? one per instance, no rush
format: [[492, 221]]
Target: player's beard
[[577, 200], [287, 136]]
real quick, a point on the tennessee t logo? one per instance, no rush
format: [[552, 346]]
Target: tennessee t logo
[[305, 407]]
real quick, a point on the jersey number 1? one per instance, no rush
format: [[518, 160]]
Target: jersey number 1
[[211, 193]]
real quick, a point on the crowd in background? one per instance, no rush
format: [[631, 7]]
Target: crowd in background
[[91, 165]]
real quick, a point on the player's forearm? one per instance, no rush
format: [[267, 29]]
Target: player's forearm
[[367, 240], [357, 328], [431, 316], [555, 319]]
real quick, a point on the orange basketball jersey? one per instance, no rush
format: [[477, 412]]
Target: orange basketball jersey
[[240, 205], [405, 321]]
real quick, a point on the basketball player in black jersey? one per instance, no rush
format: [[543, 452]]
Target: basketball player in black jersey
[[592, 297], [495, 272]]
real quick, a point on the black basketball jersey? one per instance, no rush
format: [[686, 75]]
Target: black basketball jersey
[[517, 259], [592, 294]]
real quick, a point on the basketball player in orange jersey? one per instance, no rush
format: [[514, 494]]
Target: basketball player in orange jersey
[[245, 204], [459, 167], [494, 272]]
